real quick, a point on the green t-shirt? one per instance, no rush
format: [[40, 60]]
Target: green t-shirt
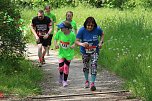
[[53, 18], [65, 41]]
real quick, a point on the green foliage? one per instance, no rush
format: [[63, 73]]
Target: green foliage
[[127, 48], [22, 81], [11, 37], [42, 3], [127, 45], [95, 3]]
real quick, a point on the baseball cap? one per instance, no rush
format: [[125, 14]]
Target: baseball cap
[[65, 24], [61, 25]]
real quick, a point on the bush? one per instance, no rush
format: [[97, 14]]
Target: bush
[[12, 42]]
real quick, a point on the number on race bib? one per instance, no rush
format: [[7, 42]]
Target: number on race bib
[[65, 45]]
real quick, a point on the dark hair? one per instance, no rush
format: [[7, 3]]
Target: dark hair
[[67, 24], [69, 12], [48, 6], [41, 11], [90, 20]]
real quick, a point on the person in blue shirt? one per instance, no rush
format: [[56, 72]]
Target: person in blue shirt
[[90, 39]]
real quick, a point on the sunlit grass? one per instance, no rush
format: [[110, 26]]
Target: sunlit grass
[[23, 81]]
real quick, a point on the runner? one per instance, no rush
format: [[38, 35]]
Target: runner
[[87, 39], [66, 39], [41, 28], [69, 17], [51, 15]]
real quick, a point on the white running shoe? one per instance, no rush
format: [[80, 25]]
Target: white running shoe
[[65, 84]]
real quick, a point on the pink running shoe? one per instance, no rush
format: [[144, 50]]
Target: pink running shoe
[[86, 84], [65, 84], [92, 87]]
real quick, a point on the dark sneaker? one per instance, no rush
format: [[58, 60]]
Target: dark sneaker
[[92, 87], [86, 84]]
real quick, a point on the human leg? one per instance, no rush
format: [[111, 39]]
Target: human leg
[[61, 69], [49, 44], [66, 71], [94, 58], [43, 53], [86, 59], [40, 53]]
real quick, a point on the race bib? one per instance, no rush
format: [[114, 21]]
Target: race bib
[[90, 49], [64, 45]]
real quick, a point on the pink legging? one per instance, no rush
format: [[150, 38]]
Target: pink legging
[[64, 66]]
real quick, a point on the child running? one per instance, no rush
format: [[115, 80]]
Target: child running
[[51, 15], [64, 40], [69, 17]]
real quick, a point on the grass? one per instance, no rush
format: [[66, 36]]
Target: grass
[[127, 45], [21, 79]]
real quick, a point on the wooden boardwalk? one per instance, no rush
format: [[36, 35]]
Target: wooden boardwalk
[[109, 86]]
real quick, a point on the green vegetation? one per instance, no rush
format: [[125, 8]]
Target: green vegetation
[[17, 75], [126, 49], [127, 45], [21, 79]]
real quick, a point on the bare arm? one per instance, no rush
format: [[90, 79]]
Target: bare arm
[[50, 28], [55, 44], [101, 40], [34, 31], [84, 44], [49, 32]]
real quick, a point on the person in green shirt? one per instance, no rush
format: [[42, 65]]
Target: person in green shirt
[[69, 17], [51, 15], [64, 40]]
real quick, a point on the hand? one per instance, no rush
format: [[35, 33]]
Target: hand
[[85, 44], [72, 46], [45, 36], [100, 45], [37, 40], [56, 46]]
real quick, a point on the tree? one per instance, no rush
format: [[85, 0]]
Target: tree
[[12, 43]]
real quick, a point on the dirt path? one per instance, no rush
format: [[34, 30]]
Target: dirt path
[[109, 86]]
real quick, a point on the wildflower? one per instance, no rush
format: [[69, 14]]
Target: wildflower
[[134, 81], [139, 55], [148, 66]]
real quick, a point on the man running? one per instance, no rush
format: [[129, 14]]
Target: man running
[[41, 28]]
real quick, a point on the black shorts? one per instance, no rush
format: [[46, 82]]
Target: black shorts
[[42, 41], [50, 39]]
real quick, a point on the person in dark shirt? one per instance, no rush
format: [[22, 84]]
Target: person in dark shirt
[[41, 27]]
